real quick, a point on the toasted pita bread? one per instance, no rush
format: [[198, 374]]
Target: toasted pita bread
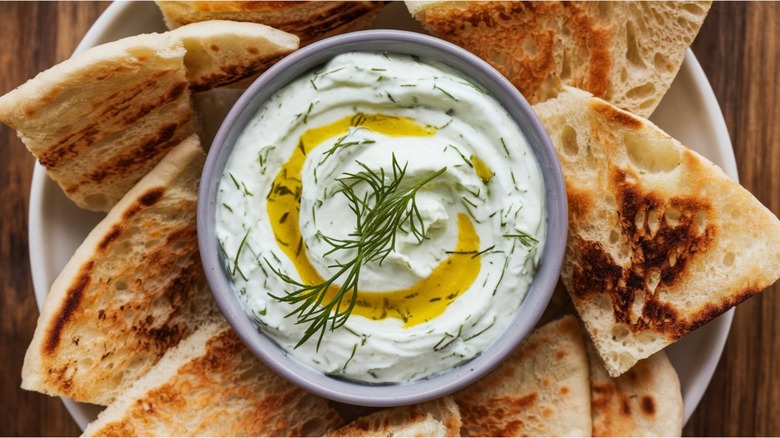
[[645, 401], [541, 389], [310, 21], [438, 417], [133, 289], [211, 385], [223, 52], [101, 120], [625, 52], [660, 241]]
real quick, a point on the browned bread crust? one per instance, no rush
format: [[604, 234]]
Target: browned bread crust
[[132, 290], [542, 389], [645, 401], [627, 53], [211, 385], [309, 20], [439, 417], [101, 120], [661, 241]]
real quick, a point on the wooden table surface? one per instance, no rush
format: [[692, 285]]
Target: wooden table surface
[[738, 48]]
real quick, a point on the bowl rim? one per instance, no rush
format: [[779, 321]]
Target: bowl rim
[[545, 279]]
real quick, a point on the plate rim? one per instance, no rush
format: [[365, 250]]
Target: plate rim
[[83, 413]]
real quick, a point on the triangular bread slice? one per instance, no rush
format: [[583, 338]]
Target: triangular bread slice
[[134, 288], [310, 21], [625, 52], [439, 417], [645, 401], [542, 389], [661, 241], [223, 52], [211, 385], [100, 120]]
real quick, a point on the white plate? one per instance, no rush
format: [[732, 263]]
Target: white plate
[[689, 112]]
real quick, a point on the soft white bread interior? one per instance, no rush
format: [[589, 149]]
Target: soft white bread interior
[[541, 389], [223, 52], [211, 385], [99, 121], [660, 240], [310, 21], [439, 417], [133, 289], [627, 53], [645, 401]]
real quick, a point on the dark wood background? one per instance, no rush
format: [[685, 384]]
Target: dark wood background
[[738, 48]]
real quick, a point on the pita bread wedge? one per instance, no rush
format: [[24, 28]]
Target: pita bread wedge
[[309, 20], [101, 120], [542, 389], [211, 385], [627, 53], [661, 241], [224, 52], [438, 417], [133, 289], [645, 401]]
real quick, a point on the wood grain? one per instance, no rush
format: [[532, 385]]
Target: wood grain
[[739, 49], [33, 37]]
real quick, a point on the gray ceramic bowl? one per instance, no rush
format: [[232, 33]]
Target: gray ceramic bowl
[[544, 282]]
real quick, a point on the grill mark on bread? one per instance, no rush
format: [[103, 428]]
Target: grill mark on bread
[[648, 405], [118, 115], [330, 20], [115, 232], [152, 196], [615, 115], [133, 158], [151, 335], [233, 73], [455, 24], [146, 200], [69, 308], [595, 41], [482, 27], [662, 249], [308, 21]]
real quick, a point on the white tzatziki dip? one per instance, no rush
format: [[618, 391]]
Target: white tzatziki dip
[[394, 177]]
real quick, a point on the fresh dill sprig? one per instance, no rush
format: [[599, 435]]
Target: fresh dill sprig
[[386, 208]]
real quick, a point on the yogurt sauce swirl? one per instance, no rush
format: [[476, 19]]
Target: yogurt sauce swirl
[[430, 305]]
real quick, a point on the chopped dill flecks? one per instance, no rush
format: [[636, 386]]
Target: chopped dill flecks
[[465, 160], [308, 111], [481, 331], [481, 91], [484, 251], [524, 238], [445, 92], [238, 254], [354, 349], [235, 181], [501, 277], [246, 190]]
